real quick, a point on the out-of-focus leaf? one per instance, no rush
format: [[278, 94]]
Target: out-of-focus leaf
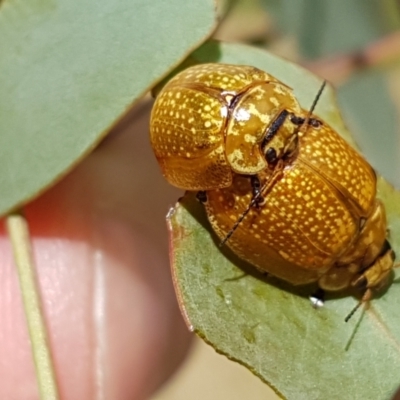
[[70, 69], [369, 101], [325, 27], [371, 105], [268, 325]]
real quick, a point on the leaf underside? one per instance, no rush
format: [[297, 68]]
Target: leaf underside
[[70, 69]]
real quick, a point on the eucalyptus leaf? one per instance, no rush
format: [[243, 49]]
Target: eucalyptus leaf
[[325, 27], [69, 69], [372, 111], [268, 325]]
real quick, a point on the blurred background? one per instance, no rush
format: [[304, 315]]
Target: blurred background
[[355, 45]]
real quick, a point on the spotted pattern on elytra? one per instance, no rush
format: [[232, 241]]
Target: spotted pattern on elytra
[[209, 121], [340, 164], [251, 239], [218, 76], [216, 127], [186, 135], [292, 221], [187, 123]]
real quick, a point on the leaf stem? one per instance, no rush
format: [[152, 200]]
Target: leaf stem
[[18, 232]]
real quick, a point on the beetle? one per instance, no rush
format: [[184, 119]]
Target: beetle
[[280, 187], [208, 122]]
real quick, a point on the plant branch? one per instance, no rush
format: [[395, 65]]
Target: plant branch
[[19, 235]]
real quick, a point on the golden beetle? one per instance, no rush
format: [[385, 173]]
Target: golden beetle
[[294, 199]]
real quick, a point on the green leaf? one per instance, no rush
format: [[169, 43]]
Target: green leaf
[[324, 27], [268, 325], [69, 69], [327, 28], [371, 109]]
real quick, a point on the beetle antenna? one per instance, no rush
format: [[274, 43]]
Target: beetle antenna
[[308, 118], [241, 218], [317, 97], [366, 297], [314, 104], [276, 173], [353, 311]]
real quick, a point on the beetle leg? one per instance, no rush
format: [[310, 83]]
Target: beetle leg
[[376, 275], [256, 189], [201, 196], [373, 277], [277, 174], [364, 300]]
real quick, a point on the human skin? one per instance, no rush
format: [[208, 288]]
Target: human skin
[[101, 248]]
